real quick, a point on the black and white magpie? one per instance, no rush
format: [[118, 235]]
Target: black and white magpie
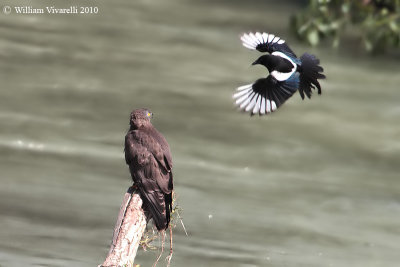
[[287, 74]]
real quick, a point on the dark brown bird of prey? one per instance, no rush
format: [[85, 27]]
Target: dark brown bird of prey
[[150, 163]]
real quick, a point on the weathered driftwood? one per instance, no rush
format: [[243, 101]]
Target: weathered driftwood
[[128, 231]]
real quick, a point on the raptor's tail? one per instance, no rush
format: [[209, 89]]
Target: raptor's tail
[[159, 205], [310, 72]]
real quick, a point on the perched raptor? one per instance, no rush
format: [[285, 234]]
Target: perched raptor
[[149, 158], [287, 74]]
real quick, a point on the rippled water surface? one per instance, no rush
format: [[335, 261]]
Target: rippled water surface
[[314, 184]]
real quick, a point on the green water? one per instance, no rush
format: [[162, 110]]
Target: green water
[[314, 184]]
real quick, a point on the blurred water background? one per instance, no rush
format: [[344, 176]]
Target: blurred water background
[[314, 184]]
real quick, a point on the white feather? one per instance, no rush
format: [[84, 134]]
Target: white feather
[[259, 37], [249, 43], [240, 93], [252, 103], [254, 43], [246, 101], [249, 37], [273, 105], [248, 46], [252, 36], [257, 106], [244, 36], [246, 39], [276, 39], [241, 99], [281, 41], [281, 76], [262, 108], [247, 86], [270, 37], [265, 37]]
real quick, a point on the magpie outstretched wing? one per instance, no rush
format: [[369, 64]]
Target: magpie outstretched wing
[[266, 94], [265, 42]]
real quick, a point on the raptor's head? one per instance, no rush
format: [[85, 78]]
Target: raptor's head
[[140, 117]]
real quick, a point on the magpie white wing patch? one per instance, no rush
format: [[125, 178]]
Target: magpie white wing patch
[[282, 76], [252, 40]]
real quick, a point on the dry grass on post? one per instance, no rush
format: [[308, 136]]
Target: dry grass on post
[[130, 232]]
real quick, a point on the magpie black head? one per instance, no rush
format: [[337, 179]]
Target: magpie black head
[[267, 61], [272, 62]]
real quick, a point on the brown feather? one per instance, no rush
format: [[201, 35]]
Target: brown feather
[[150, 163]]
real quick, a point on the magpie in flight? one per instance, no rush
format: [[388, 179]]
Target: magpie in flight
[[287, 74]]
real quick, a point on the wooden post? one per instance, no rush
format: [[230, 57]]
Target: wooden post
[[128, 231]]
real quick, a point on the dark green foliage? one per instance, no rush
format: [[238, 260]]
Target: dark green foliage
[[375, 22]]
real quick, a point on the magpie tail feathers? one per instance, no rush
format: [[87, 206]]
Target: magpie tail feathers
[[310, 72]]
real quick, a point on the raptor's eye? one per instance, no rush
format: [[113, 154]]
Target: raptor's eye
[[148, 114]]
